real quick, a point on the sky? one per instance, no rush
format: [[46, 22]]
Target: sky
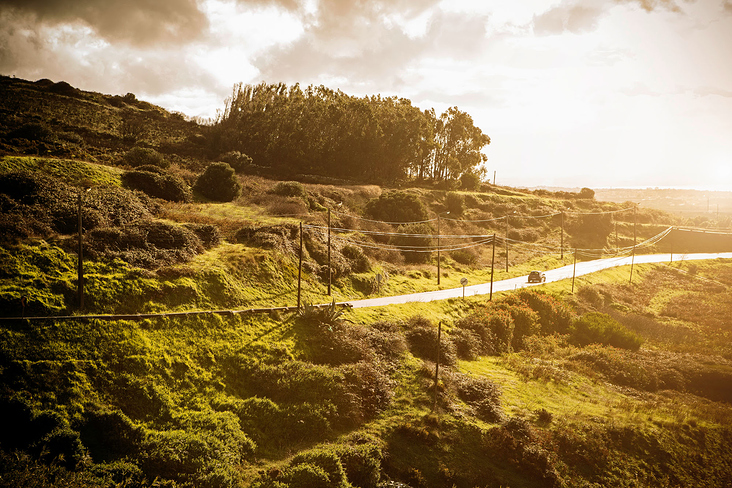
[[573, 93]]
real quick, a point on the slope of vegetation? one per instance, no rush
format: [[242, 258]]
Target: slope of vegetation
[[616, 385]]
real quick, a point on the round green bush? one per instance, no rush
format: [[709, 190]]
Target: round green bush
[[240, 162], [289, 189], [166, 186], [397, 206], [139, 156], [218, 183]]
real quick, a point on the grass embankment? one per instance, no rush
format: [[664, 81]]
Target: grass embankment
[[531, 392]]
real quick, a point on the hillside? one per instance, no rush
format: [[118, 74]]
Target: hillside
[[539, 387]]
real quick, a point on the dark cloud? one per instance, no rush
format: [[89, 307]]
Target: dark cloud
[[576, 19], [138, 22]]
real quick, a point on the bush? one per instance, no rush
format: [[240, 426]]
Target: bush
[[218, 183], [358, 261], [397, 206], [289, 189], [166, 186], [554, 315], [455, 203], [600, 328], [139, 156], [240, 162], [324, 469], [422, 339], [464, 256], [470, 181], [33, 131], [415, 243]]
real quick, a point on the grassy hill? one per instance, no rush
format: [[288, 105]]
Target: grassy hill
[[615, 385]]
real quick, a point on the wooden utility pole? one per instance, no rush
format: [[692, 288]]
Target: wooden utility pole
[[574, 268], [329, 269], [438, 249], [635, 225], [437, 364], [493, 260], [80, 271], [561, 246], [506, 242], [299, 271]]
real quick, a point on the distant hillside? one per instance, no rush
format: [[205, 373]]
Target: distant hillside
[[688, 203]]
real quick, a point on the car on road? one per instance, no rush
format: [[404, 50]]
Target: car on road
[[537, 277]]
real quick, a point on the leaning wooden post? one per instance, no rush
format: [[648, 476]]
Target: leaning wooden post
[[299, 271], [437, 364], [329, 269], [493, 261]]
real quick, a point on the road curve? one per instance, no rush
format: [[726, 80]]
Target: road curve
[[583, 268]]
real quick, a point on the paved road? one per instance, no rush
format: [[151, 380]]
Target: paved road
[[583, 268]]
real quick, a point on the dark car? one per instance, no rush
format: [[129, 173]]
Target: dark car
[[537, 277]]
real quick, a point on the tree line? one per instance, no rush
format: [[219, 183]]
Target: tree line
[[287, 130]]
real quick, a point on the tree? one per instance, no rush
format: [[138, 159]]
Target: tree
[[218, 183]]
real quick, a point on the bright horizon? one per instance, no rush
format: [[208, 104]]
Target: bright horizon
[[592, 93]]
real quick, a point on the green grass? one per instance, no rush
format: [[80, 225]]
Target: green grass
[[68, 170]]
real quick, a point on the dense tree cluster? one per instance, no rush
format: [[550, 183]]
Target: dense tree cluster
[[319, 131]]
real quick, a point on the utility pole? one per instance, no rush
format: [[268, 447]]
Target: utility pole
[[80, 271], [299, 271], [494, 177], [561, 246], [574, 268], [438, 249], [437, 364], [329, 269], [493, 260], [506, 242], [617, 245], [635, 225]]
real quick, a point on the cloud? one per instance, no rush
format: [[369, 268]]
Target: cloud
[[574, 18], [369, 43], [710, 90], [138, 22], [651, 5]]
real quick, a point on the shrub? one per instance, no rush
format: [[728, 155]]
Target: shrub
[[415, 242], [218, 183], [422, 339], [455, 203], [33, 131], [467, 343], [554, 315], [240, 162], [397, 206], [600, 328], [166, 186], [324, 469], [470, 181], [139, 156], [464, 256], [289, 189], [481, 394], [358, 261], [209, 234]]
